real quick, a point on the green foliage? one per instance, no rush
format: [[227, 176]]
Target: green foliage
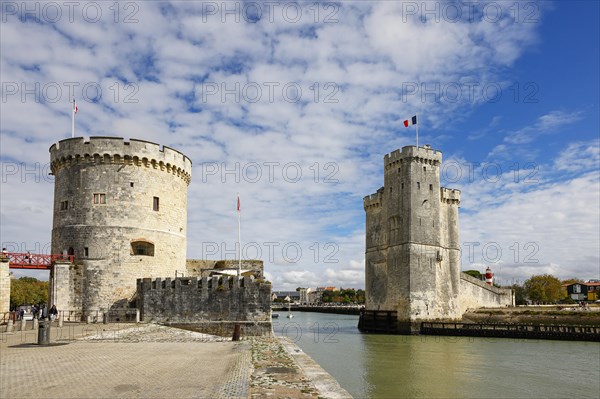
[[543, 288], [520, 297], [474, 273], [28, 290], [349, 295]]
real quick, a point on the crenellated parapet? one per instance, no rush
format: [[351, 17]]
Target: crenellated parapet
[[450, 195], [373, 201], [115, 150], [192, 299], [424, 155], [204, 284]]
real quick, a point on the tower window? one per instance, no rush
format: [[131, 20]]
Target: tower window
[[64, 205], [86, 252], [143, 248], [418, 185], [431, 187], [155, 204], [130, 184], [424, 169], [402, 186], [99, 198], [391, 189]]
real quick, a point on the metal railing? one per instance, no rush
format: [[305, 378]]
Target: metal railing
[[28, 260]]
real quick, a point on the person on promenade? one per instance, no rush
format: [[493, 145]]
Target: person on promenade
[[53, 312], [43, 312]]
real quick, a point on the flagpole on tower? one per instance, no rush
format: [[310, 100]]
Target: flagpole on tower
[[239, 272], [73, 119], [417, 116]]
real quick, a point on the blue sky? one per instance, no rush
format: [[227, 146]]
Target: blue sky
[[508, 91]]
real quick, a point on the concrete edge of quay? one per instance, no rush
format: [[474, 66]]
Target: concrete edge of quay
[[327, 386]]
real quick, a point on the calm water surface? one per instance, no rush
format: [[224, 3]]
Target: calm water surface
[[387, 366]]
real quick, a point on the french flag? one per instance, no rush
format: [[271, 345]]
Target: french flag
[[411, 121], [75, 107]]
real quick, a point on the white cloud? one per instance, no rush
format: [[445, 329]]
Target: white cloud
[[579, 157], [340, 131], [545, 124]]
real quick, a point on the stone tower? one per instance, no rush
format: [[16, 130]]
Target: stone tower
[[120, 207], [412, 247]]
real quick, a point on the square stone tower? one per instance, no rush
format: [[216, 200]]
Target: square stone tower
[[412, 254]]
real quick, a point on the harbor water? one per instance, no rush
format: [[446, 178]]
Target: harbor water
[[394, 366]]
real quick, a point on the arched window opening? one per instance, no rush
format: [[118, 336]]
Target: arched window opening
[[143, 248]]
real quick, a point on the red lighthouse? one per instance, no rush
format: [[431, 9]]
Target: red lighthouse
[[489, 276]]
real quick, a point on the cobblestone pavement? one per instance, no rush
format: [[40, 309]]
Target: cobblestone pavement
[[152, 361], [127, 361]]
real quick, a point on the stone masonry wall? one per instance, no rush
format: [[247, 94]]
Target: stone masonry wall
[[412, 248], [106, 235], [65, 288], [193, 300], [476, 294], [4, 286], [412, 256]]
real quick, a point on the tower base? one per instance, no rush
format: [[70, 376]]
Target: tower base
[[386, 322]]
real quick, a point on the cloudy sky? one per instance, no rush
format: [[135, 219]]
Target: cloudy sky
[[294, 105]]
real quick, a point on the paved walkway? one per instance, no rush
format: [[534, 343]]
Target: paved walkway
[[115, 361]]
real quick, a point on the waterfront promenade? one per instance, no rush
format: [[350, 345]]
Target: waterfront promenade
[[151, 361]]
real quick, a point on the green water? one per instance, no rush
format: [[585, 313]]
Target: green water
[[387, 366]]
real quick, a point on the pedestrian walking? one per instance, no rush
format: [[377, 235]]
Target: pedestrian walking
[[53, 312]]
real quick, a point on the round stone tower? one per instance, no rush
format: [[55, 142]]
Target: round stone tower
[[120, 207]]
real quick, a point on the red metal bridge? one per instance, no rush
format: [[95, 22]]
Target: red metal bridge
[[34, 261]]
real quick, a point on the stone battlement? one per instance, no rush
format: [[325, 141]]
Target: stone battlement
[[374, 200], [210, 283], [450, 195], [412, 153], [116, 150], [190, 299]]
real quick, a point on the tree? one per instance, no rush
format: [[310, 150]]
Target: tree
[[474, 273], [360, 296], [520, 297], [28, 290], [543, 288]]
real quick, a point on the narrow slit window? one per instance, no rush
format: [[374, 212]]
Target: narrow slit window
[[64, 205], [86, 252], [155, 204], [418, 185], [431, 187]]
